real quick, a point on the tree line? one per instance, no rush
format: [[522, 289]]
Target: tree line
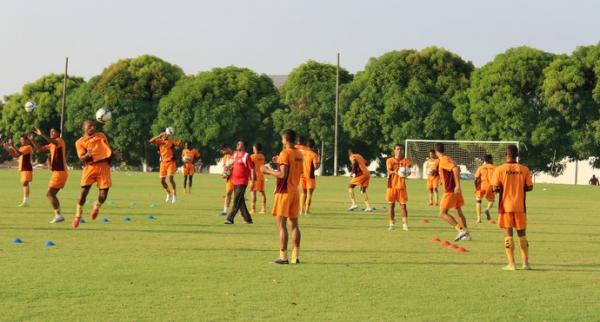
[[549, 102]]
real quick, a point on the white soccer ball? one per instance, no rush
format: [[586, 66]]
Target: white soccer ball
[[187, 158], [30, 106], [403, 172], [170, 131], [103, 115]]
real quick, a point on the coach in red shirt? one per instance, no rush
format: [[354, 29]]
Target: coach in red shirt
[[242, 174]]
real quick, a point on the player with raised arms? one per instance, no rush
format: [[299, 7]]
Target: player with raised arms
[[168, 166], [23, 153]]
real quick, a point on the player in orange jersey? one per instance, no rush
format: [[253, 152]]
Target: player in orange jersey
[[286, 204], [58, 165], [483, 187], [433, 177], [398, 168], [452, 198], [227, 163], [308, 181], [168, 166], [360, 177], [95, 153], [511, 181], [189, 156], [258, 158], [24, 153]]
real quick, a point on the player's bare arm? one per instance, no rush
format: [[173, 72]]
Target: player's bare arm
[[47, 138], [456, 173]]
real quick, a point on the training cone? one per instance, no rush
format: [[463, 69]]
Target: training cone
[[126, 219], [82, 221], [17, 241], [150, 217], [105, 220], [493, 222], [424, 221], [435, 239], [445, 243], [460, 250], [50, 243]]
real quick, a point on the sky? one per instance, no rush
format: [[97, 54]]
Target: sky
[[274, 36]]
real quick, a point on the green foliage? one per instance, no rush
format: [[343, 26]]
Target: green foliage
[[220, 106], [507, 103], [131, 88]]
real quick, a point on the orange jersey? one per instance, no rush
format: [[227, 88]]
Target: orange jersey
[[25, 158], [167, 149], [58, 155], [359, 165], [292, 158], [394, 180], [512, 179], [97, 145], [483, 177], [309, 164], [431, 167], [193, 154], [445, 170], [259, 161]]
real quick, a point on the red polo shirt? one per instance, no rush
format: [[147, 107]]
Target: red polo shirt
[[242, 165]]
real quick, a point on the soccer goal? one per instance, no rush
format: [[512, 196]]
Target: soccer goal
[[467, 154]]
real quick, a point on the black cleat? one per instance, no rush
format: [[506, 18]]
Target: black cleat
[[296, 261], [248, 222], [487, 214], [281, 262], [228, 222]]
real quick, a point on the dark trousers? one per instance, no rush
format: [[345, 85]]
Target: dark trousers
[[239, 203]]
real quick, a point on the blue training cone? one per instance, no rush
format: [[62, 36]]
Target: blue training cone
[[127, 219], [50, 243], [82, 221], [150, 217], [105, 220], [17, 241]]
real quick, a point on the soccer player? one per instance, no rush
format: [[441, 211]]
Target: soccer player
[[308, 182], [24, 153], [594, 181], [360, 177], [511, 180], [58, 166], [258, 158], [190, 156], [483, 187], [168, 167], [433, 177], [95, 153], [242, 175], [227, 163], [396, 186], [452, 198], [287, 198]]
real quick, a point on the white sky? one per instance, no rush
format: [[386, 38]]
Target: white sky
[[274, 36]]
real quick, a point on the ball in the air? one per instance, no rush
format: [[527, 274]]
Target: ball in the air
[[103, 115], [30, 106], [170, 131]]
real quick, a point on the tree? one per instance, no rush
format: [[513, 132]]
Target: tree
[[309, 96], [572, 87], [507, 103], [220, 106], [132, 89], [406, 94]]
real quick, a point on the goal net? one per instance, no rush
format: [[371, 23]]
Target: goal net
[[468, 155]]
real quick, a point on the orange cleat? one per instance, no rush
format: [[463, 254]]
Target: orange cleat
[[75, 222], [95, 212]]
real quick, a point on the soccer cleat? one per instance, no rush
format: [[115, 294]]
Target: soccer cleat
[[173, 199], [508, 268], [391, 227], [281, 262], [353, 207], [487, 214], [431, 203], [24, 204], [57, 219], [168, 198], [222, 213], [405, 227], [466, 237], [295, 261], [526, 267], [478, 221], [248, 222], [95, 212], [75, 222], [228, 222], [369, 209], [460, 235]]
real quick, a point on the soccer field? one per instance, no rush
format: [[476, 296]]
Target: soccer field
[[186, 265]]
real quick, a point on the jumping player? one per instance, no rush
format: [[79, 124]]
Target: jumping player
[[453, 198], [258, 158], [24, 153], [95, 153], [360, 177], [58, 166], [287, 199], [433, 177], [189, 156], [308, 181], [511, 181], [483, 187], [396, 186], [168, 167], [227, 164]]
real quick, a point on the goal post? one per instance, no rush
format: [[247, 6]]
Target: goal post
[[468, 155]]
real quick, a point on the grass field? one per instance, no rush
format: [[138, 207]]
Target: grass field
[[186, 265]]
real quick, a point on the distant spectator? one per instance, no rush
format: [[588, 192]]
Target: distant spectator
[[594, 180]]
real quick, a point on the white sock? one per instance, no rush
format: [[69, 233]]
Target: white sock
[[224, 209], [25, 199]]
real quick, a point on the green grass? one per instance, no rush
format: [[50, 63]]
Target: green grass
[[186, 265]]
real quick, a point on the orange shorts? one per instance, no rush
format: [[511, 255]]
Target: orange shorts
[[286, 204], [188, 169], [433, 182], [487, 194], [259, 185], [58, 179], [98, 173], [26, 176], [396, 195], [229, 186], [362, 181], [308, 183], [516, 220], [167, 169], [452, 200]]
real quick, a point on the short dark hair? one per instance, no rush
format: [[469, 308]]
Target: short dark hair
[[289, 134], [488, 158], [311, 143], [301, 139], [512, 151], [57, 129], [400, 145], [224, 146], [438, 147], [243, 142], [258, 146], [432, 151]]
